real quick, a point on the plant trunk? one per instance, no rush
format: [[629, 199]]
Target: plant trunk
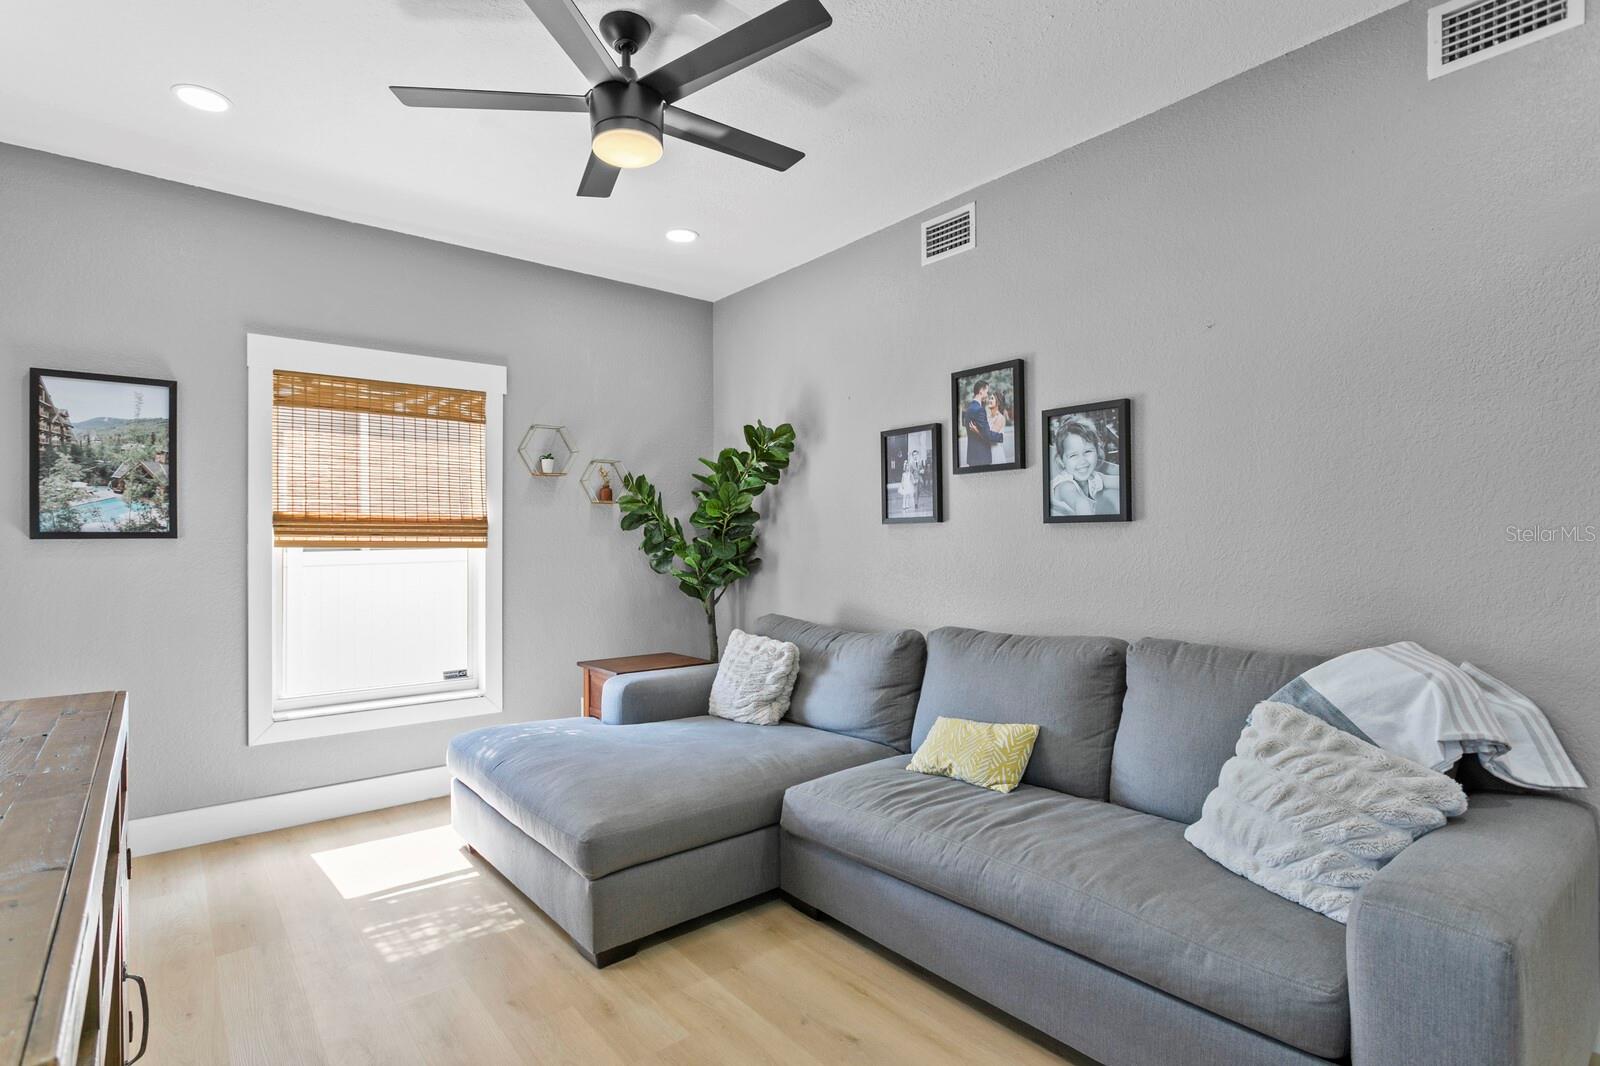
[[711, 625]]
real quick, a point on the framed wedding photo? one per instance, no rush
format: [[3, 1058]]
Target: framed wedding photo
[[912, 480], [1088, 463], [102, 455], [987, 417]]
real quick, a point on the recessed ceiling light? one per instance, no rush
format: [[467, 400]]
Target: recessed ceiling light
[[682, 236], [201, 98]]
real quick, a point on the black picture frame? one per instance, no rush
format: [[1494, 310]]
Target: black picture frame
[[936, 470], [40, 439], [1108, 418], [960, 387]]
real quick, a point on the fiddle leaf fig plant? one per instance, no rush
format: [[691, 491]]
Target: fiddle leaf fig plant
[[722, 549]]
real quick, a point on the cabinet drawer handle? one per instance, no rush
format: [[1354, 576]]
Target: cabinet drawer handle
[[144, 1014]]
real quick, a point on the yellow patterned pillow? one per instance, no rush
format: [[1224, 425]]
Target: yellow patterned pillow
[[980, 753]]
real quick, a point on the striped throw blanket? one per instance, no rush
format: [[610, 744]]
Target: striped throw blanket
[[1407, 700]]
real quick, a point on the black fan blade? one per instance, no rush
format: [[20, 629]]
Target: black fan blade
[[720, 137], [571, 31], [487, 99], [598, 178], [773, 31]]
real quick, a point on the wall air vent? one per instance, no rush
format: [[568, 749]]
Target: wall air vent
[[949, 234], [1464, 32]]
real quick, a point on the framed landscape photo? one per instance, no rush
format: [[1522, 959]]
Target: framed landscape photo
[[987, 418], [912, 480], [102, 455], [1088, 463]]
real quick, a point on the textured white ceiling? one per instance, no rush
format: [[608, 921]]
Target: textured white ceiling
[[900, 104]]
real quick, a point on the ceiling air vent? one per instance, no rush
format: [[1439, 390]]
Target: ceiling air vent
[[1464, 32], [949, 234]]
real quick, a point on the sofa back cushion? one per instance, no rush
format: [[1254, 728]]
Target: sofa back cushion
[[1185, 707], [1070, 687], [857, 684]]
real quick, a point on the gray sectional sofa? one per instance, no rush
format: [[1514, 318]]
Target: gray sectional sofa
[[1072, 903]]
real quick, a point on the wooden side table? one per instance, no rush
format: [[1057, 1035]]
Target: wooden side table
[[595, 672]]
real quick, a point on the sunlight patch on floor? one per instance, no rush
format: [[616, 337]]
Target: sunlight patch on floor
[[394, 862], [425, 885], [413, 935]]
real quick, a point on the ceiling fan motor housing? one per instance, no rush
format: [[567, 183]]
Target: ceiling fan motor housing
[[615, 105]]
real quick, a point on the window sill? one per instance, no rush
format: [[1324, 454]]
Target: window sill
[[333, 721]]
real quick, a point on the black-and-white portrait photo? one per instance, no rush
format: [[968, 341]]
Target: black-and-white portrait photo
[[911, 475], [987, 418], [1087, 463]]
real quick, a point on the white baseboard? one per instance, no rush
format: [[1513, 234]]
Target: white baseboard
[[185, 829]]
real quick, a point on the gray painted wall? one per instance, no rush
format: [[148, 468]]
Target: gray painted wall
[[1357, 315], [105, 270]]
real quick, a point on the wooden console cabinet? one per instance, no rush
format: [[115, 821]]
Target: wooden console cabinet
[[64, 867]]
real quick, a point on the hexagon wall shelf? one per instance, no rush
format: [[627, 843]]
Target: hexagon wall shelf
[[597, 474], [541, 438]]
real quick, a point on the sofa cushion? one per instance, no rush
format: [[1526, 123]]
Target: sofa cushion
[[1070, 687], [603, 797], [755, 679], [1113, 885], [858, 684], [1185, 707], [987, 754], [1312, 813]]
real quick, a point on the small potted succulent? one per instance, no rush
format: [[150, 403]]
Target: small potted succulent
[[547, 463]]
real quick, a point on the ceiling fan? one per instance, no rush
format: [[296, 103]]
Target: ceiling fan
[[627, 113]]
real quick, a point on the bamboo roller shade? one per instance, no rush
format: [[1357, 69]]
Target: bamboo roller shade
[[376, 464]]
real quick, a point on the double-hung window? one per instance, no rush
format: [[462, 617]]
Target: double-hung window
[[374, 547]]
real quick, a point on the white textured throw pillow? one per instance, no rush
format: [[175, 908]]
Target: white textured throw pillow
[[1312, 813], [754, 679]]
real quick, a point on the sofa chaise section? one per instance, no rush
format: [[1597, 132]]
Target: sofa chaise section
[[659, 813], [601, 798], [563, 807]]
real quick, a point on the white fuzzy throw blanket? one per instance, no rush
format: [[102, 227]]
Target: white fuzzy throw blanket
[[1312, 813]]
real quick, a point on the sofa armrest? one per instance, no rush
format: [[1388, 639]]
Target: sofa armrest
[[1480, 943], [657, 695]]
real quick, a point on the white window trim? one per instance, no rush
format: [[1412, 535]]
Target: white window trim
[[263, 355]]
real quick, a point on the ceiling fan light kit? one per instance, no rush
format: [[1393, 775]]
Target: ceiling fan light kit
[[625, 121], [630, 116]]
